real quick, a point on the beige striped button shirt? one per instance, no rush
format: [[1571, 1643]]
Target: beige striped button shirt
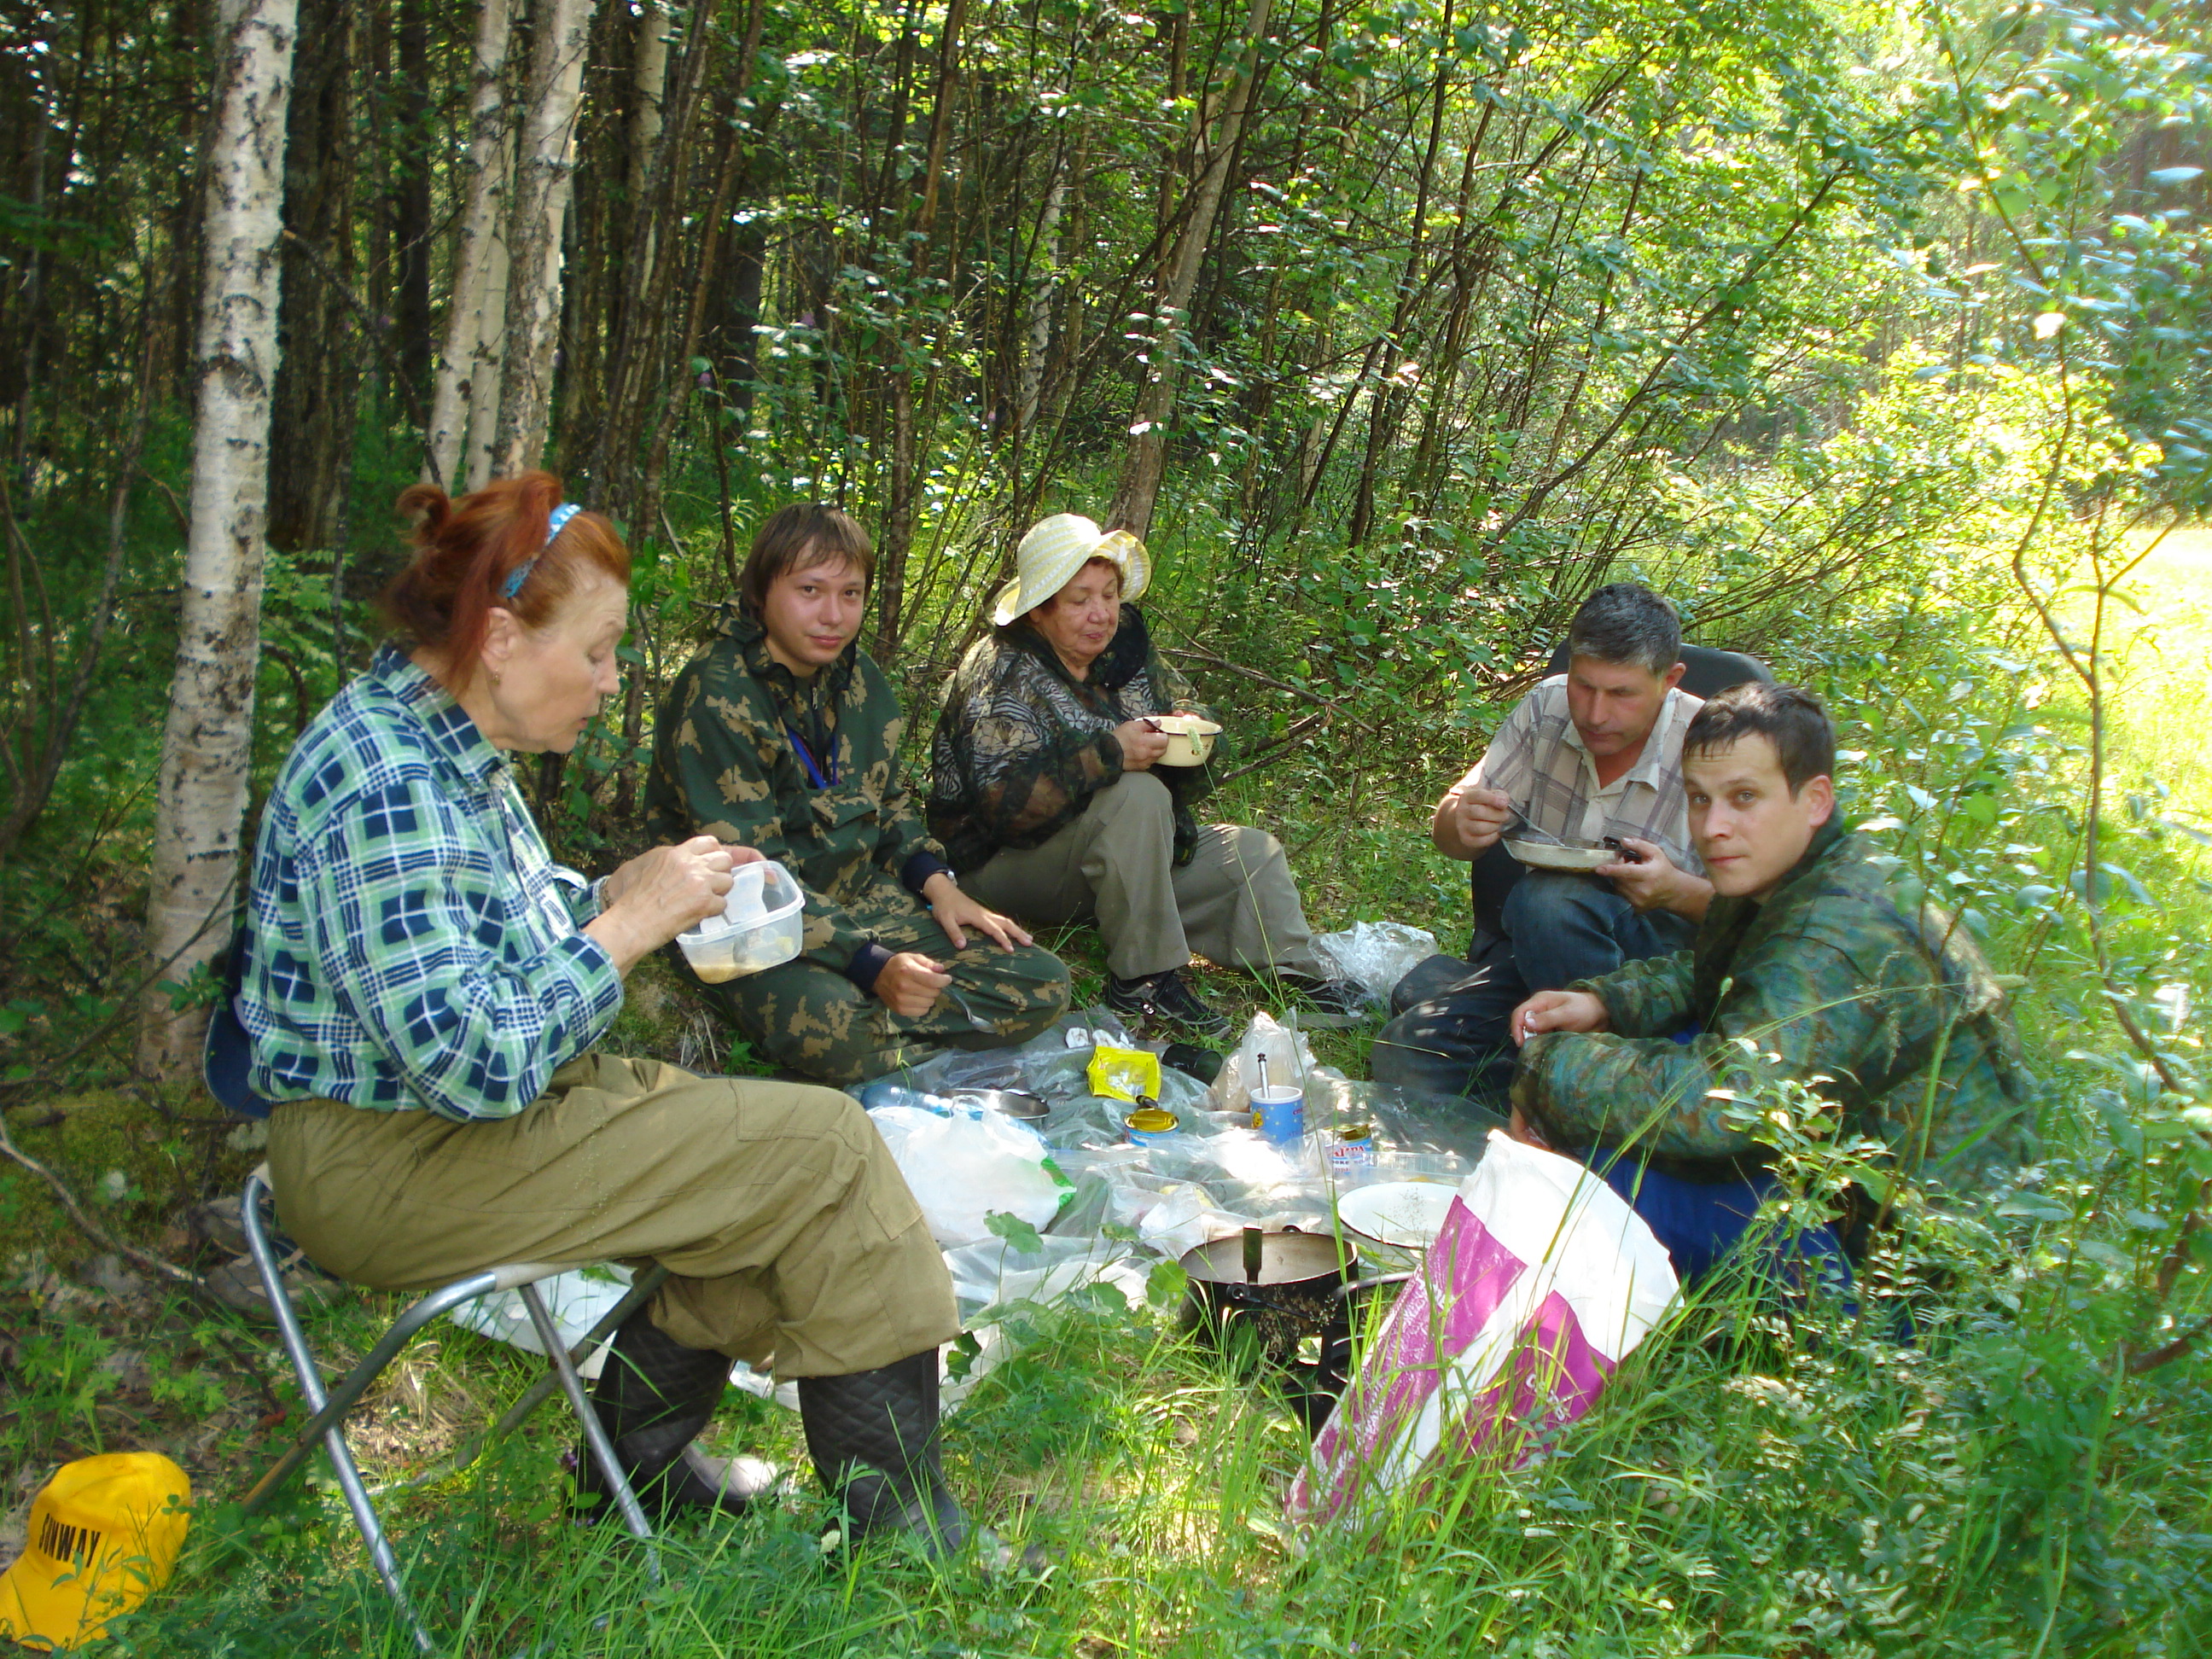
[[1537, 759]]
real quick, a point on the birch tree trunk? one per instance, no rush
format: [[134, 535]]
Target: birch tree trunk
[[1138, 488], [648, 94], [208, 741], [486, 171], [1037, 341], [544, 170], [488, 355], [896, 538]]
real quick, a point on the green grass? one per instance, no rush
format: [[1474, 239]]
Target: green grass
[[2005, 1486]]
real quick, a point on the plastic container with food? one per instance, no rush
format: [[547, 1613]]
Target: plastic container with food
[[760, 926], [1190, 737]]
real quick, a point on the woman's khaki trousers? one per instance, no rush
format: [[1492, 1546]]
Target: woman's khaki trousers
[[1234, 903], [789, 1233]]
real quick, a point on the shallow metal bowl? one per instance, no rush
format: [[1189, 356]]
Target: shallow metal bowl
[[1553, 855]]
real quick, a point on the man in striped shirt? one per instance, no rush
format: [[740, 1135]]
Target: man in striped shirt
[[1593, 753]]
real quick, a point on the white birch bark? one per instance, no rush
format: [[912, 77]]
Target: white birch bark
[[1040, 316], [485, 170], [488, 353], [208, 741], [649, 87], [1138, 489], [544, 169]]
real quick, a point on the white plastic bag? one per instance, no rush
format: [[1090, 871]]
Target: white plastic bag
[[1376, 955], [995, 1271], [1290, 1061], [1542, 1281], [963, 1170], [577, 1300]]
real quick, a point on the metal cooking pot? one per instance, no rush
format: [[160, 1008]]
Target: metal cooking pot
[[1258, 1296], [1018, 1104]]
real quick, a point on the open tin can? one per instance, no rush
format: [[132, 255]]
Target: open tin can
[[1150, 1123]]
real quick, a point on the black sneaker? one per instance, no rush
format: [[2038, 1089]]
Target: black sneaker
[[1166, 997], [1327, 1004]]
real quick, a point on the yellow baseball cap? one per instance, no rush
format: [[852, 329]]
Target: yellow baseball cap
[[105, 1535]]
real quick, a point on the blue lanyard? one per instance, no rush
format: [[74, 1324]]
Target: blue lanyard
[[813, 772]]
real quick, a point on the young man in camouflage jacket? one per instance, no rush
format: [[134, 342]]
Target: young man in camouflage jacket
[[782, 734], [1808, 966]]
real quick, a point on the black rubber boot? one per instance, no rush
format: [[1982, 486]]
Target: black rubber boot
[[874, 1439], [654, 1396]]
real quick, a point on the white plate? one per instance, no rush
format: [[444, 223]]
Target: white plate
[[1545, 855], [1406, 1213]]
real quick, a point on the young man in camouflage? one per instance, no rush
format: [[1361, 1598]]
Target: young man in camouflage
[[783, 735], [1808, 966]]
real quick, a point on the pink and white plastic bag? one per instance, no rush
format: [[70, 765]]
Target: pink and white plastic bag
[[1542, 1281]]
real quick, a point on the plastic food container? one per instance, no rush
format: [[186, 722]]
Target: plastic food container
[[760, 926], [1190, 738]]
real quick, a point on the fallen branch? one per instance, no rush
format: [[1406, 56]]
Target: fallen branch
[[92, 1229], [2166, 1354], [1304, 693], [1275, 748]]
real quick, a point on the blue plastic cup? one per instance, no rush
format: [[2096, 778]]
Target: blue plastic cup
[[1278, 1111]]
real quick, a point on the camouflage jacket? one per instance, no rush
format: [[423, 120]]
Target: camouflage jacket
[[1833, 977], [806, 771], [1023, 744]]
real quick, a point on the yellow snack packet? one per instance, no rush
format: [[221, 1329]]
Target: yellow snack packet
[[1124, 1073]]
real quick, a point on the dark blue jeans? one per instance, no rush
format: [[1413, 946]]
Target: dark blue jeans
[[1558, 928], [1701, 1224]]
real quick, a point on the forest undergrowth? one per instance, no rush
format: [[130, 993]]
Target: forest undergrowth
[[2013, 1480], [1878, 337]]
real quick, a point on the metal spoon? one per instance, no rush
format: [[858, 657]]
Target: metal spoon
[[974, 1019], [1536, 829]]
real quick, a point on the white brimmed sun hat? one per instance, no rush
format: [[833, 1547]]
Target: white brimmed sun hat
[[1054, 550]]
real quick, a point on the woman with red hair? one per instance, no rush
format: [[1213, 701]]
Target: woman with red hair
[[424, 988]]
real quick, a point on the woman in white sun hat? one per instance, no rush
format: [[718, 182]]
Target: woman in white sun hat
[[1050, 799]]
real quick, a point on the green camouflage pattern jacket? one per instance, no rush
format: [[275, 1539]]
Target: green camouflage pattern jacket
[[1832, 976], [1023, 744], [804, 770]]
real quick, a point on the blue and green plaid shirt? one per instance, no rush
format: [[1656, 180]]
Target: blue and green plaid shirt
[[413, 946]]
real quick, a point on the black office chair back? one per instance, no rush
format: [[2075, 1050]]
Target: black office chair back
[[1705, 672]]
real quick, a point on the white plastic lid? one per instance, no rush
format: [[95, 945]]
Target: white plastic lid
[[760, 892]]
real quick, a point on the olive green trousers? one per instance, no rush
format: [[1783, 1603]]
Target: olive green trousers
[[789, 1234], [1234, 903]]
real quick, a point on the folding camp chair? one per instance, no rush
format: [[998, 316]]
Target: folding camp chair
[[225, 1059]]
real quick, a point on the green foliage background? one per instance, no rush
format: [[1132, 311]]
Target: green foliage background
[[1878, 337]]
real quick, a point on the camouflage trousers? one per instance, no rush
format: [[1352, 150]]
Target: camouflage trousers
[[814, 1021]]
